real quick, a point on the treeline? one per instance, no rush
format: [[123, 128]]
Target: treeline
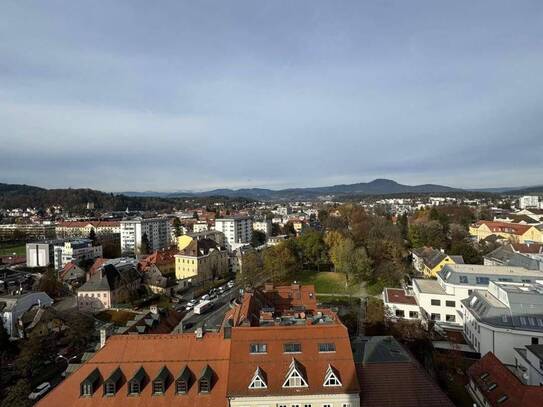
[[75, 200]]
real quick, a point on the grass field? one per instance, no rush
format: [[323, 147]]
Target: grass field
[[7, 249], [324, 281]]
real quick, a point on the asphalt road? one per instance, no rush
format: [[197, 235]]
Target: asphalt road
[[213, 318]]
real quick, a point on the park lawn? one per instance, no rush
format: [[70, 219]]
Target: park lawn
[[327, 282], [7, 249]]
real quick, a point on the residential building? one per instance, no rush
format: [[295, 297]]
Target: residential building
[[439, 300], [42, 253], [114, 282], [200, 226], [199, 261], [529, 364], [528, 201], [73, 275], [238, 230], [157, 231], [506, 316], [84, 228], [264, 226], [383, 364], [158, 271], [430, 261], [13, 307], [514, 232], [492, 384], [510, 255], [27, 231], [206, 234], [75, 251]]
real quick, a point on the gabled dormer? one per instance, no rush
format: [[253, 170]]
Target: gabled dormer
[[161, 381], [111, 384], [259, 380], [296, 376], [183, 381], [331, 378], [205, 382], [136, 383], [89, 385]]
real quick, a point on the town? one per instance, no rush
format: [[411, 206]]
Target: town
[[318, 302]]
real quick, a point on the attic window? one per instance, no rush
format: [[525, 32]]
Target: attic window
[[136, 383], [483, 376], [110, 385], [161, 381], [89, 384], [502, 398], [331, 378], [295, 376], [259, 380], [327, 347], [292, 348], [492, 386], [183, 381], [204, 384]]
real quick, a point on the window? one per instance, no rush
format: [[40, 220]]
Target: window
[[435, 317], [346, 405], [87, 390], [331, 378], [450, 304], [450, 318], [502, 398], [463, 279], [522, 320], [435, 302], [133, 387], [400, 313], [258, 381], [535, 341], [258, 348], [158, 387], [181, 387], [109, 389], [482, 280], [327, 347], [492, 386], [326, 405], [413, 314], [294, 376], [292, 348]]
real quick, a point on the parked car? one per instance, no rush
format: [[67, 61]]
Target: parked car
[[205, 297], [189, 307], [230, 283], [40, 391], [193, 302], [175, 300]]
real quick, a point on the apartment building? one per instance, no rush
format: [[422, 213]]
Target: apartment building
[[504, 317], [528, 201], [157, 231], [440, 300], [429, 261], [75, 251], [13, 307], [84, 228], [42, 253], [238, 230], [264, 226], [514, 232], [200, 260]]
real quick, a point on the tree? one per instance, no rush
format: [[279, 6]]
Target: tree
[[92, 236], [427, 234], [403, 225], [288, 229], [50, 284], [312, 248], [145, 247], [17, 395], [5, 344], [258, 238], [352, 261], [279, 261], [177, 227], [251, 265]]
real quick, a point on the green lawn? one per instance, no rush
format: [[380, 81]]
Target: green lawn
[[7, 249], [325, 281]]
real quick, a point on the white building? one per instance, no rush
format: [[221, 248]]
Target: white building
[[504, 317], [200, 226], [41, 253], [440, 300], [75, 250], [528, 201], [157, 231], [529, 364], [237, 230], [13, 307], [264, 226]]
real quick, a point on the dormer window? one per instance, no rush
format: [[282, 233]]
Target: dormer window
[[111, 384], [89, 384], [331, 378], [259, 380], [206, 377], [161, 381], [295, 375], [182, 383], [136, 383]]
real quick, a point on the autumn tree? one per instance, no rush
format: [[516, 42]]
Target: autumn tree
[[250, 274], [280, 261], [351, 260]]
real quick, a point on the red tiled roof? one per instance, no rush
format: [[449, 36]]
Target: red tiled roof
[[12, 260], [532, 248], [504, 227], [275, 363], [518, 394], [398, 296], [99, 262], [158, 257], [69, 266], [289, 296], [152, 352], [398, 384]]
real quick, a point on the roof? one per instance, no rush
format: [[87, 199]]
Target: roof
[[159, 258], [490, 370], [504, 227], [276, 364], [291, 296], [537, 350], [383, 364], [94, 223], [399, 296], [111, 277], [429, 286], [130, 353], [527, 248], [472, 271], [200, 247]]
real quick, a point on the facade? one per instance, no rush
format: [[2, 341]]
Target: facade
[[237, 230], [492, 384], [41, 253], [429, 261], [28, 231], [440, 300], [200, 226], [529, 365], [528, 201], [13, 307], [504, 317], [157, 231], [264, 226], [112, 283], [75, 251], [84, 228], [199, 261], [514, 232]]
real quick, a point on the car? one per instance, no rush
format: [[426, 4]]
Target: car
[[189, 307], [40, 391], [214, 297], [212, 291], [205, 297], [192, 302], [175, 300], [230, 283]]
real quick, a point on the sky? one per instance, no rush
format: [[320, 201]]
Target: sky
[[193, 95]]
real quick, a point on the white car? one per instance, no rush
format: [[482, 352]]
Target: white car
[[192, 302], [231, 283], [40, 391], [204, 298]]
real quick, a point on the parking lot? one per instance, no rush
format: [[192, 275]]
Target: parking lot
[[11, 280]]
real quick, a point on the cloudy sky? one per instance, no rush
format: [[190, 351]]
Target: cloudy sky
[[175, 95]]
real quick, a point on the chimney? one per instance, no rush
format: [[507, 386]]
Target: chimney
[[153, 309], [199, 333]]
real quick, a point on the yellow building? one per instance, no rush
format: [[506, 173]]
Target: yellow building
[[430, 261], [514, 232], [199, 260]]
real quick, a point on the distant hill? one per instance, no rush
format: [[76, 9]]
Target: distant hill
[[376, 187]]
